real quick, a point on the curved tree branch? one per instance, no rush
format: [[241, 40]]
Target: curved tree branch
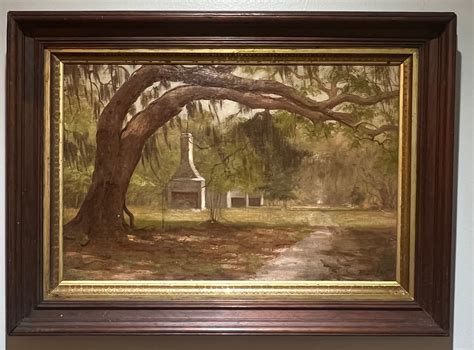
[[359, 100], [208, 76], [207, 82], [146, 122]]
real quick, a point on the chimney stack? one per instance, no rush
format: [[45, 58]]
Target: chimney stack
[[186, 188], [186, 167]]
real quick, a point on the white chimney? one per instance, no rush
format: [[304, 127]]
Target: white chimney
[[186, 166], [186, 189]]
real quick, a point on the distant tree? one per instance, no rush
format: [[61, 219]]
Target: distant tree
[[278, 160]]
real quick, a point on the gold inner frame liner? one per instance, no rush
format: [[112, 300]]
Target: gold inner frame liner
[[54, 287]]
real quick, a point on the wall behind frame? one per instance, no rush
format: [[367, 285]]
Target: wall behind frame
[[463, 338]]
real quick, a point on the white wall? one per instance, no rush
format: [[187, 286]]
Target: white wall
[[464, 292]]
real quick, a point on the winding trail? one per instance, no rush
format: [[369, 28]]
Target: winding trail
[[304, 260]]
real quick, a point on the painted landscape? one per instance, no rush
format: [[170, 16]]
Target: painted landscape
[[230, 172]]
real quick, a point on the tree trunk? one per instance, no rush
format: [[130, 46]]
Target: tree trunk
[[101, 215]]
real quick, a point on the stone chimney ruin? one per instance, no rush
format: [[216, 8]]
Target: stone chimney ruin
[[186, 189]]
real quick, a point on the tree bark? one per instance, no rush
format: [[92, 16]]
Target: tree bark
[[101, 213]]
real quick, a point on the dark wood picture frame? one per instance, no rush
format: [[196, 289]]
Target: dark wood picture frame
[[30, 33]]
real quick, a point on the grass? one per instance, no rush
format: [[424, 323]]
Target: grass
[[189, 247], [363, 219], [302, 220], [260, 217], [269, 217]]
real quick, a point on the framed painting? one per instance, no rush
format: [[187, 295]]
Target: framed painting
[[230, 173]]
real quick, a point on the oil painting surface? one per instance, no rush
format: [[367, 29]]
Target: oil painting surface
[[230, 172]]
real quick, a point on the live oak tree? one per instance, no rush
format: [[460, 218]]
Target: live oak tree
[[122, 133]]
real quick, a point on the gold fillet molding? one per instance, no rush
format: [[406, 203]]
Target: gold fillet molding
[[57, 288], [230, 289]]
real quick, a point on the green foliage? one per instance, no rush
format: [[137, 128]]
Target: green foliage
[[144, 191], [76, 183], [284, 155], [279, 159], [79, 135], [340, 173]]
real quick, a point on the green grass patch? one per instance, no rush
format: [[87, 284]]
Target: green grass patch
[[303, 219], [269, 217], [363, 219]]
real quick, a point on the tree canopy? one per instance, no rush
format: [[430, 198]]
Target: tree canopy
[[331, 113]]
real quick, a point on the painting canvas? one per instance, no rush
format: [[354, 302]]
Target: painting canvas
[[285, 172]]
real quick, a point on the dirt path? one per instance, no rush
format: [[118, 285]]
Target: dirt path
[[328, 252], [331, 253], [304, 260]]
